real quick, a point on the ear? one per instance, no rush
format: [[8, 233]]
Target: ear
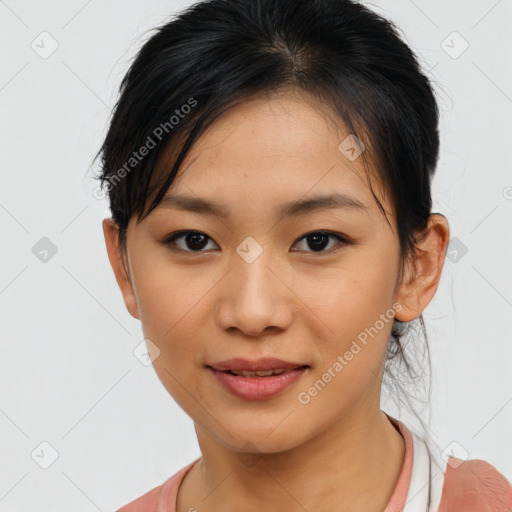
[[121, 271], [423, 273]]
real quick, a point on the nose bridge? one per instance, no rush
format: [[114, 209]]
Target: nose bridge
[[255, 279], [256, 297]]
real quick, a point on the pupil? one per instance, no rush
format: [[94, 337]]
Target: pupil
[[317, 242], [194, 240]]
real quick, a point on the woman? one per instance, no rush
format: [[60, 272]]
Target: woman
[[268, 166]]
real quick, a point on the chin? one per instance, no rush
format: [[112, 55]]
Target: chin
[[256, 442]]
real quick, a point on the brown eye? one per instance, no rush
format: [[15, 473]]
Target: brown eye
[[317, 241], [190, 241], [196, 241]]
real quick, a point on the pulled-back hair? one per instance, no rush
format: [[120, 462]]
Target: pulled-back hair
[[218, 53]]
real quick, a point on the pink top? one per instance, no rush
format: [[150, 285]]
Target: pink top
[[464, 486]]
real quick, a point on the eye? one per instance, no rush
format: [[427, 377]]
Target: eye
[[195, 241], [318, 240]]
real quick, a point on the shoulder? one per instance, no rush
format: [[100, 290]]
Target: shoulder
[[161, 498], [474, 485], [146, 503]]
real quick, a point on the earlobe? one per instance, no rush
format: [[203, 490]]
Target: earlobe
[[111, 233], [422, 276]]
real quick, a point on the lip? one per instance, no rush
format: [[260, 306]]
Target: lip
[[258, 388], [265, 363]]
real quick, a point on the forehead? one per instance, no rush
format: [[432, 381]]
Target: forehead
[[273, 149]]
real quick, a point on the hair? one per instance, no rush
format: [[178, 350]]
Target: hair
[[218, 53]]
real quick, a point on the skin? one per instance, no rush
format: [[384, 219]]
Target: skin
[[339, 451]]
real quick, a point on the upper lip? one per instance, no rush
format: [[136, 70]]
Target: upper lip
[[265, 363]]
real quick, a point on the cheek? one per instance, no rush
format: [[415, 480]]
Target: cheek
[[357, 309], [353, 298], [360, 320], [169, 301], [166, 293]]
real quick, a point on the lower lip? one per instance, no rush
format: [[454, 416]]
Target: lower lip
[[258, 388]]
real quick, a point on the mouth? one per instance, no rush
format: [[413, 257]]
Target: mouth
[[261, 384], [264, 367], [261, 373]]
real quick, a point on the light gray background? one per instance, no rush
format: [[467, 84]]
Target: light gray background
[[68, 373]]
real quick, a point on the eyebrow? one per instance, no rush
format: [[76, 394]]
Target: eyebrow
[[292, 208]]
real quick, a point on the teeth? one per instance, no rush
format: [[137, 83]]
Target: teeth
[[261, 373]]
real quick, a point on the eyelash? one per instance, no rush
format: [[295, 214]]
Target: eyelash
[[170, 240]]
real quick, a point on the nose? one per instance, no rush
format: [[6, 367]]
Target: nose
[[255, 298]]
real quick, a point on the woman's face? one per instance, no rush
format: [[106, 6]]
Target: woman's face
[[254, 286]]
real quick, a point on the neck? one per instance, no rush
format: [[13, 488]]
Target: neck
[[352, 466]]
